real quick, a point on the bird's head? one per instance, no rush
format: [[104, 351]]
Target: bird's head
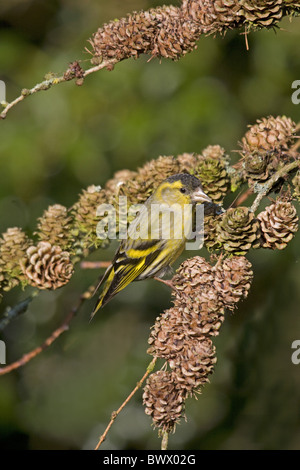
[[181, 189]]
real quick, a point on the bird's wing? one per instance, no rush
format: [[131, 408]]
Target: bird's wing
[[133, 261], [103, 278], [124, 269], [143, 254]]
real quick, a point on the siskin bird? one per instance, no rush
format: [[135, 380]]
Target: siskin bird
[[151, 246]]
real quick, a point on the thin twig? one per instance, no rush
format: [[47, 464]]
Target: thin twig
[[78, 74], [109, 63], [267, 187], [46, 84], [94, 264], [116, 413], [56, 333], [166, 282], [13, 312], [164, 440], [242, 198], [27, 357]]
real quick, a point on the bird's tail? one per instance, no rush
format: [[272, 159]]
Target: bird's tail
[[108, 276], [97, 307]]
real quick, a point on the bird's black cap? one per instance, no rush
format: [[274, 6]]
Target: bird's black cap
[[186, 179]]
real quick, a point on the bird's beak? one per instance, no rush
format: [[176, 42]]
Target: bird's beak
[[200, 196]]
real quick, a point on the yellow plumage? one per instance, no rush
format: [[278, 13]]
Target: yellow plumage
[[152, 244]]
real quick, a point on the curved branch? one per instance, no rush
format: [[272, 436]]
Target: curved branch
[[95, 264], [264, 189], [27, 357], [166, 31], [116, 413], [73, 72], [56, 333]]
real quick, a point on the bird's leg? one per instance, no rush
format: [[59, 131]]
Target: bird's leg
[[167, 282]]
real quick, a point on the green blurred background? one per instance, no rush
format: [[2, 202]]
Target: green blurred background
[[56, 143]]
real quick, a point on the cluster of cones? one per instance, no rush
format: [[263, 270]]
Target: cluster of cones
[[238, 229], [183, 334], [171, 32], [64, 236], [265, 148]]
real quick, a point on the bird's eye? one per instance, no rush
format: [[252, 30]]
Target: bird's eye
[[183, 190]]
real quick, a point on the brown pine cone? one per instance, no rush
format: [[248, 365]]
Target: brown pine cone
[[203, 316], [167, 335], [269, 134], [233, 279], [148, 178], [163, 400], [262, 13], [256, 168], [54, 226], [192, 274], [213, 16], [278, 223], [175, 35], [120, 177], [47, 266], [126, 37], [215, 152], [191, 278], [198, 305], [158, 170], [187, 162], [266, 148], [194, 364]]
